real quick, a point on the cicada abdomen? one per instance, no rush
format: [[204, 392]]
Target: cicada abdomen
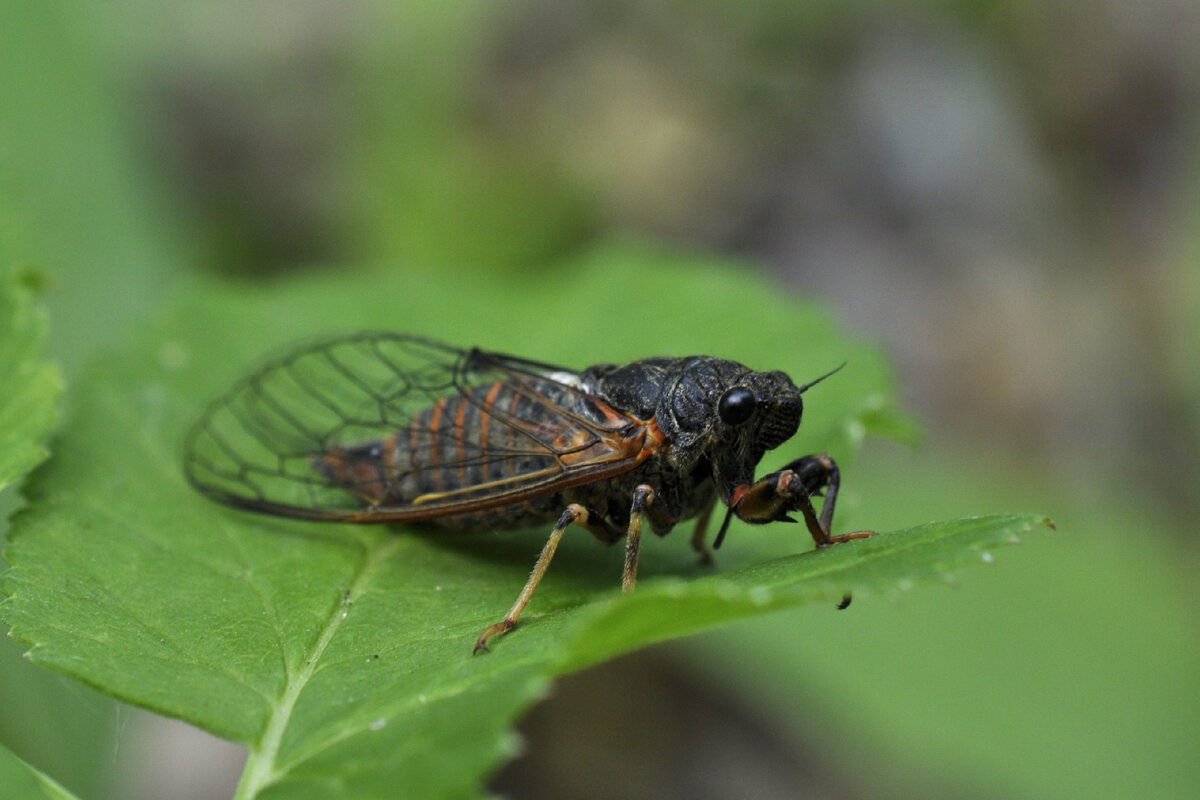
[[476, 448]]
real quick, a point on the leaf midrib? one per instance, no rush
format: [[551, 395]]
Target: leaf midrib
[[261, 766]]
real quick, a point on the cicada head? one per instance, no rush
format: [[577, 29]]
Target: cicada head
[[728, 416]]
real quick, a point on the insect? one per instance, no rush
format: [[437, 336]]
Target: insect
[[390, 428]]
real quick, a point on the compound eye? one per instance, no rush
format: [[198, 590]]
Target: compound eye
[[736, 406]]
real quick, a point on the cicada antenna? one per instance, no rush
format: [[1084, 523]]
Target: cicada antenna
[[813, 383]]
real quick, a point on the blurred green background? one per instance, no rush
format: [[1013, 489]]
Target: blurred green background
[[1006, 195]]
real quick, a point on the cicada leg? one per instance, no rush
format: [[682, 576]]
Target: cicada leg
[[700, 533], [573, 514], [642, 496], [809, 476], [773, 496]]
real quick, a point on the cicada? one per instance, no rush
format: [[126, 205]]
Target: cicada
[[390, 428]]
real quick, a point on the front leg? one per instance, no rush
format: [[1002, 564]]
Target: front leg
[[774, 496]]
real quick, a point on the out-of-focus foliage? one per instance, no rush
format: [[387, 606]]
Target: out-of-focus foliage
[[29, 404], [22, 782]]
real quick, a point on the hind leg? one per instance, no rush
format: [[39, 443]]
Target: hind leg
[[602, 530], [573, 513]]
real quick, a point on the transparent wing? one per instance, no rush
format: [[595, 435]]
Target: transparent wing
[[382, 427]]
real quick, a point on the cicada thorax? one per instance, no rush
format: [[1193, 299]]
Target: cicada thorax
[[472, 446]]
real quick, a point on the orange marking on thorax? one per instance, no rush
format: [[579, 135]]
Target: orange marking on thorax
[[656, 435], [651, 441]]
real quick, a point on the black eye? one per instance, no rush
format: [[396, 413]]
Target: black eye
[[736, 406]]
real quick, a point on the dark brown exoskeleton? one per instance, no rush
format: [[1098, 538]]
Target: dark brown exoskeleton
[[392, 428]]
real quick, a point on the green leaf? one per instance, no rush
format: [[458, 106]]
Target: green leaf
[[341, 655], [31, 386], [23, 782]]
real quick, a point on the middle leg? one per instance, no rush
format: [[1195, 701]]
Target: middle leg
[[643, 496]]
